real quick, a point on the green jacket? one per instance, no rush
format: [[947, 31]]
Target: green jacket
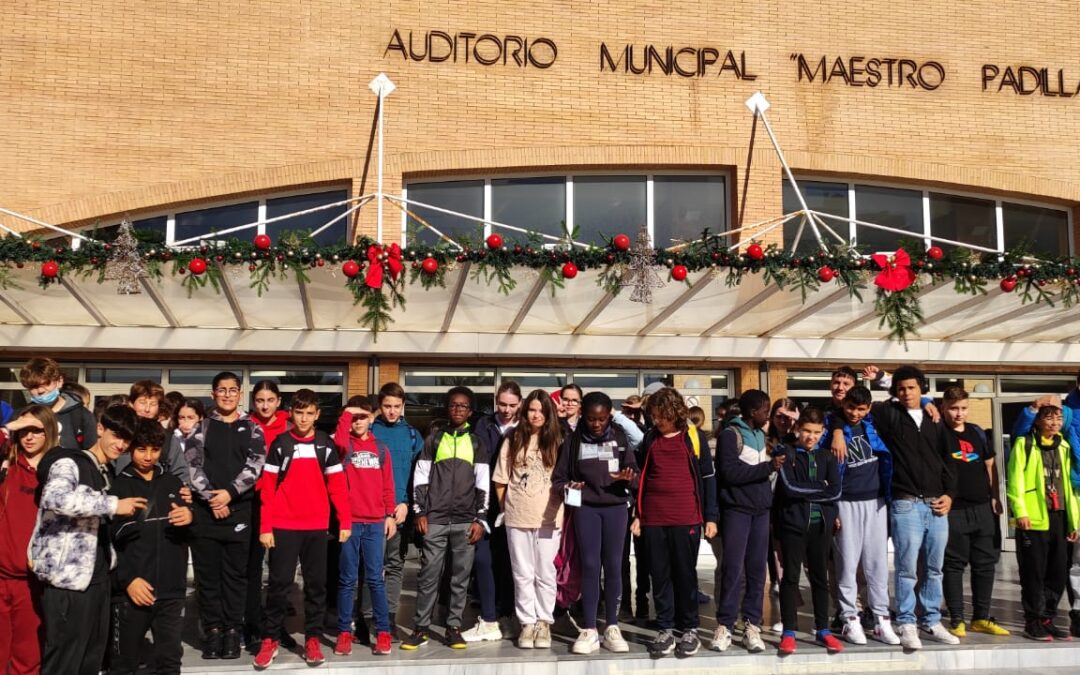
[[1026, 486]]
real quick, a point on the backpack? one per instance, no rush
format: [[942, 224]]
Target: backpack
[[286, 460]]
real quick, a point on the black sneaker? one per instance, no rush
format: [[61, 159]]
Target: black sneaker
[[1055, 632], [1074, 623], [688, 644], [454, 639], [662, 645], [1035, 630], [418, 639], [212, 644], [230, 644]]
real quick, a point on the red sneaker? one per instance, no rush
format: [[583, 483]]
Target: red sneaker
[[382, 644], [267, 652], [787, 644], [313, 652], [343, 647], [827, 640]]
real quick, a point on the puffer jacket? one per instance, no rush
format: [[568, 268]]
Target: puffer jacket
[[74, 506], [452, 477]]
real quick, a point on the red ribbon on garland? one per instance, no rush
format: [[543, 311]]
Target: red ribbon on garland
[[380, 258], [896, 273]]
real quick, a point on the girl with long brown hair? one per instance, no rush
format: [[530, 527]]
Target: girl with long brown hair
[[533, 514]]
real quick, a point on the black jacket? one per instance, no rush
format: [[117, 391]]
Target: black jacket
[[701, 468], [921, 466], [796, 491], [487, 428], [146, 546], [78, 426], [594, 469], [452, 477]]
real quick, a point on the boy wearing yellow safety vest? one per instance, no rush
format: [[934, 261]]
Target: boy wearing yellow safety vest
[[1046, 515]]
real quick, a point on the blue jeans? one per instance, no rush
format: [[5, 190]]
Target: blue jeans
[[367, 543], [915, 530]]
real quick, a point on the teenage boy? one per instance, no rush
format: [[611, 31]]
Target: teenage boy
[[450, 498], [840, 383], [866, 472], [70, 550], [43, 381], [405, 443], [743, 470], [923, 485], [369, 473], [973, 519], [806, 495], [226, 458], [146, 398], [150, 581], [301, 479], [491, 566]]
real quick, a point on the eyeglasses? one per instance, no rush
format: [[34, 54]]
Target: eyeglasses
[[222, 391], [571, 401], [459, 406]]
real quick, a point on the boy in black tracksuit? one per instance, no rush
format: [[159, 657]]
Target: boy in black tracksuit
[[150, 579]]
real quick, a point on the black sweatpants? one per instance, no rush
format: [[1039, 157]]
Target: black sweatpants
[[308, 547], [973, 540], [1043, 560], [220, 557], [164, 619], [641, 577], [811, 547], [253, 602], [672, 551], [76, 629]]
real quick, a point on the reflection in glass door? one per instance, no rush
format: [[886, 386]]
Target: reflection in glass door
[[1006, 410]]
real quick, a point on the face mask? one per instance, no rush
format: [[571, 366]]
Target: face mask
[[47, 398]]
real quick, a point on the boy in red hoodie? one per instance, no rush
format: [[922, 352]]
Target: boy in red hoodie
[[300, 480], [369, 473]]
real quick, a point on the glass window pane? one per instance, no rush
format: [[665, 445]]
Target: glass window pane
[[608, 205], [299, 378], [195, 376], [122, 375], [684, 206], [901, 209], [1043, 231], [151, 229], [537, 204], [463, 196], [1035, 385], [964, 219], [447, 378], [824, 197], [312, 221], [606, 382], [205, 222], [535, 380]]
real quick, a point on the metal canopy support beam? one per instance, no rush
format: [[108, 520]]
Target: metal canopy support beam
[[596, 311], [967, 304], [747, 306], [806, 312], [1008, 316], [530, 300], [309, 320], [234, 304], [455, 297], [21, 311], [165, 310], [85, 302], [677, 304], [870, 314]]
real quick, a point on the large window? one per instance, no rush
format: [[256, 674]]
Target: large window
[[969, 219], [674, 207]]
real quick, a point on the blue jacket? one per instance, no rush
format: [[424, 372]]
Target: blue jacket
[[405, 443], [885, 462], [743, 469], [1070, 429]]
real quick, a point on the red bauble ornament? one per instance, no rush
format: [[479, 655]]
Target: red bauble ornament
[[262, 242], [826, 274], [679, 272], [621, 242], [35, 245], [320, 262], [197, 266], [50, 269], [1008, 284], [935, 253], [569, 270], [430, 265], [755, 252], [350, 268], [494, 242]]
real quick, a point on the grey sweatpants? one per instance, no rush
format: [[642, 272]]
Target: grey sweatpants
[[437, 541], [863, 537]]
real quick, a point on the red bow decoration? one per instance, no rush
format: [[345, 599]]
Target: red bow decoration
[[380, 258], [896, 273]]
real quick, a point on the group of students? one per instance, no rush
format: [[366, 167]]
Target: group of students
[[537, 503]]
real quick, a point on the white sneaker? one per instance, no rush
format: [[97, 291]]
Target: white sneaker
[[752, 639], [942, 634], [542, 635], [614, 641], [884, 632], [527, 637], [483, 631], [721, 639], [587, 642], [853, 631], [778, 628], [909, 636]]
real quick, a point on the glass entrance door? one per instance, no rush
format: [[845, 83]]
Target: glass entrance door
[[1006, 410]]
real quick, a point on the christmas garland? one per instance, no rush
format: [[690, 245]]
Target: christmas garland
[[377, 274]]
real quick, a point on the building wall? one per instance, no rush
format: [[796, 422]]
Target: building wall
[[112, 107]]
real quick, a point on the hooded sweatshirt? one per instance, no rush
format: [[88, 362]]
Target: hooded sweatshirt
[[78, 426], [405, 443], [743, 470], [18, 511], [369, 473], [277, 425]]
